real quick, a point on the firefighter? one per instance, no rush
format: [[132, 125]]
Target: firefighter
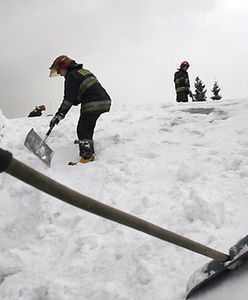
[[182, 84], [80, 87]]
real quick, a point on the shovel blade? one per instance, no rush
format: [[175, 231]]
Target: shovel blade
[[213, 280], [39, 148]]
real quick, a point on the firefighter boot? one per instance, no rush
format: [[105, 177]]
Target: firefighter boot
[[86, 150]]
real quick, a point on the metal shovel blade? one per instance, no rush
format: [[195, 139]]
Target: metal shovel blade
[[36, 145], [213, 279]]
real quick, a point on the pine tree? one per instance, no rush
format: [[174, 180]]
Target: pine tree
[[200, 92], [216, 90]]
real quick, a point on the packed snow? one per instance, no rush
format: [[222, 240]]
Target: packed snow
[[183, 167]]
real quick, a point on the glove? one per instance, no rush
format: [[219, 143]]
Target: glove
[[56, 119]]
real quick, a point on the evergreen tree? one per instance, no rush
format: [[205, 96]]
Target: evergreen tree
[[200, 92], [216, 90]]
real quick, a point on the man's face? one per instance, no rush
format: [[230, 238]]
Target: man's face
[[185, 67], [53, 72], [56, 72]]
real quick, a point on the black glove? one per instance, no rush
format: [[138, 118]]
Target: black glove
[[56, 119]]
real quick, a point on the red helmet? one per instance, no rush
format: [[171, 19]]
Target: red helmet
[[62, 62], [184, 64], [42, 107]]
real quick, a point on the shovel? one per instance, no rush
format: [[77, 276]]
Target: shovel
[[201, 285], [222, 263], [38, 146]]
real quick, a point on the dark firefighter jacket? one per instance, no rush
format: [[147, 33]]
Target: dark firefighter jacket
[[82, 87], [181, 79]]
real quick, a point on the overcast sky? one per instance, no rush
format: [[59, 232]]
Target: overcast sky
[[134, 48]]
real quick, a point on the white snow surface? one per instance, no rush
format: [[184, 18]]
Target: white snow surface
[[183, 167]]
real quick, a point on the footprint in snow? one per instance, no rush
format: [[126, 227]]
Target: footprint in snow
[[149, 155]]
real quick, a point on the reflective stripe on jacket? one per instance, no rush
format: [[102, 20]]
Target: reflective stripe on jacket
[[96, 106], [181, 80], [82, 87], [182, 89]]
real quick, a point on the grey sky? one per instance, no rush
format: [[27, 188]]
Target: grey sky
[[133, 47]]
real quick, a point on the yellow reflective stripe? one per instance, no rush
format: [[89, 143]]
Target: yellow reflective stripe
[[84, 72], [87, 85], [103, 105], [88, 82], [182, 89], [180, 79]]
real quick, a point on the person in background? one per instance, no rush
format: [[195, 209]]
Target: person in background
[[37, 111], [182, 84], [80, 87]]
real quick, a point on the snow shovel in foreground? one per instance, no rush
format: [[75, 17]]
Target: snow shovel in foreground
[[222, 264], [38, 146]]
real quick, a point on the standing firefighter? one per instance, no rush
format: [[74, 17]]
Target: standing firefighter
[[182, 85], [80, 87]]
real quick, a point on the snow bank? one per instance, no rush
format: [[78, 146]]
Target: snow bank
[[182, 167]]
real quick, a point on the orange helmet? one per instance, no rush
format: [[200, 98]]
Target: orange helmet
[[62, 62], [42, 107], [184, 64]]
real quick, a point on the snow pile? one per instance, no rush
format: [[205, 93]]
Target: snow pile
[[183, 167], [3, 126]]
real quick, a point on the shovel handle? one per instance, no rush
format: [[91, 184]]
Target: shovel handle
[[55, 189], [49, 131], [47, 134], [5, 159]]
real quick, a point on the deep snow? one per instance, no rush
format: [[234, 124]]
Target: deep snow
[[183, 167]]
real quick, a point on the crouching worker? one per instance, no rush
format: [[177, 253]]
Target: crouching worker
[[80, 87], [37, 111]]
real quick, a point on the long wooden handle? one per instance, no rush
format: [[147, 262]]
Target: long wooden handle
[[53, 188]]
